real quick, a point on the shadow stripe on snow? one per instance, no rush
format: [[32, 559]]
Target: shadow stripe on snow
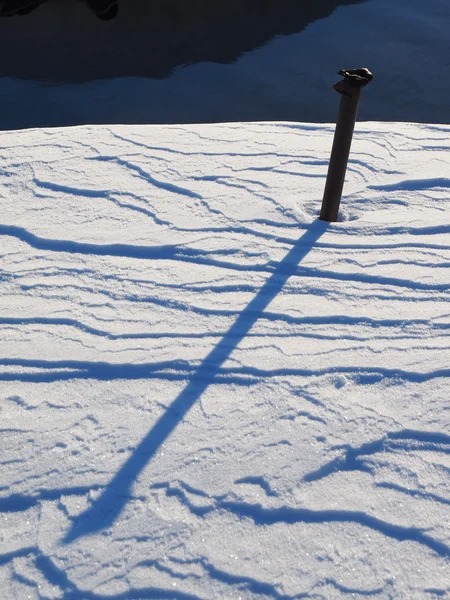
[[192, 255]]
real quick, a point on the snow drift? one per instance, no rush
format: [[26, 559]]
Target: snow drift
[[206, 392]]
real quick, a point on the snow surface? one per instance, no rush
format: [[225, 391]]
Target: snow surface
[[404, 42], [205, 391]]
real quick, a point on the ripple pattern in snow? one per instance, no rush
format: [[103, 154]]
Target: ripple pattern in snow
[[205, 391]]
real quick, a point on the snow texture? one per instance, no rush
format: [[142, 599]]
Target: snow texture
[[208, 393]]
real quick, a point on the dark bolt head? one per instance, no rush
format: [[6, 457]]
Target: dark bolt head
[[362, 76]]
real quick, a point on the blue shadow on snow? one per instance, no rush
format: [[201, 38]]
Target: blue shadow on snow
[[108, 506]]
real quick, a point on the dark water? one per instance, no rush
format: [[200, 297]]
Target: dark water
[[63, 66], [62, 40]]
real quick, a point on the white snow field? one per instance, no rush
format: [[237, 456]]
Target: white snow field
[[208, 393]]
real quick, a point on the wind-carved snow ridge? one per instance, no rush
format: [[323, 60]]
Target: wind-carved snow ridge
[[405, 440], [286, 514], [414, 185], [206, 392]]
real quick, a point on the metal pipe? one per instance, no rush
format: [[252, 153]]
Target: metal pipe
[[350, 90]]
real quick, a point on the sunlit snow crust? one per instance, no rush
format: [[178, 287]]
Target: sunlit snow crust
[[208, 393]]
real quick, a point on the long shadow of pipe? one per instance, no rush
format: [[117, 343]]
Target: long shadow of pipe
[[106, 509]]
